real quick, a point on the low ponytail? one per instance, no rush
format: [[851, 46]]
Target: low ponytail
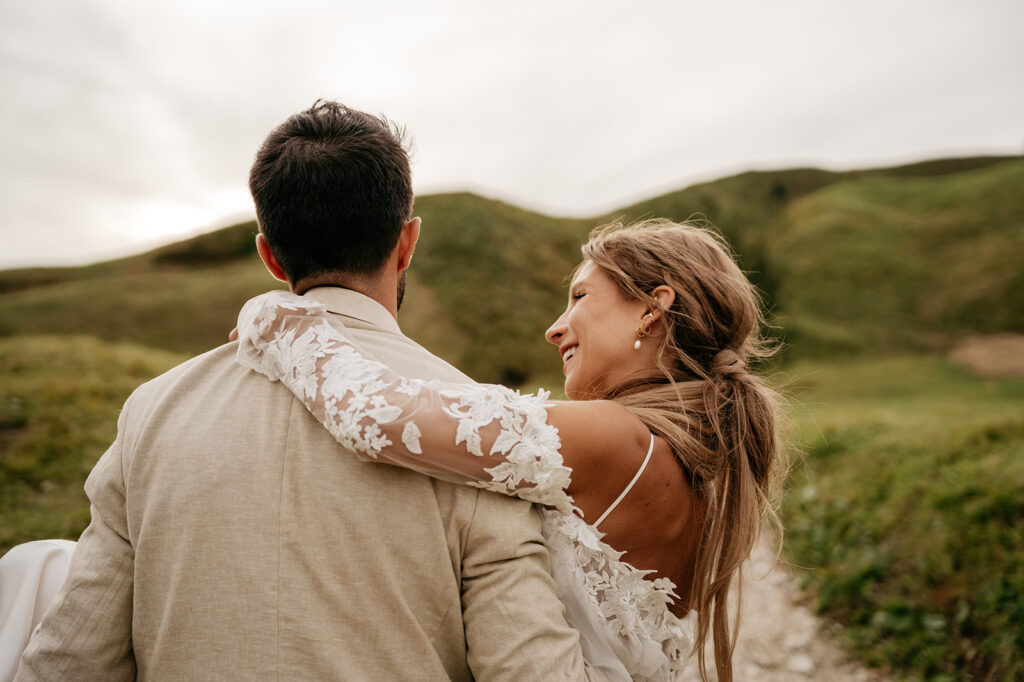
[[740, 412], [717, 414]]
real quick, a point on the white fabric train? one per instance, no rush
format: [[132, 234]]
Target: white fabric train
[[30, 576]]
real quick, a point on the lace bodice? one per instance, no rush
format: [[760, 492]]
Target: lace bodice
[[484, 436]]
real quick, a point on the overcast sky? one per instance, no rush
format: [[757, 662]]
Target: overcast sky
[[128, 123]]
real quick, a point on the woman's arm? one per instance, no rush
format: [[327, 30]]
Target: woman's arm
[[559, 454]]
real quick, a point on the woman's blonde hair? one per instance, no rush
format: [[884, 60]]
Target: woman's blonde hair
[[719, 417]]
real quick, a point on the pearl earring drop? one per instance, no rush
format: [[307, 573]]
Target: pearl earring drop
[[636, 345]]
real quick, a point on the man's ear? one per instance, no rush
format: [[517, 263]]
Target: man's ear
[[407, 242], [267, 256]]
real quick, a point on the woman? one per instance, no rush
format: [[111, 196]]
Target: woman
[[654, 477]]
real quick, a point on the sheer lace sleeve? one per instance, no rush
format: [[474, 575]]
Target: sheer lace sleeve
[[481, 435]]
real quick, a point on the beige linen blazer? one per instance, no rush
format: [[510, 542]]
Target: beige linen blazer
[[232, 538]]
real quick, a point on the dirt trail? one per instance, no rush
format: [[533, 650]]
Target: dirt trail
[[1000, 355], [781, 640]]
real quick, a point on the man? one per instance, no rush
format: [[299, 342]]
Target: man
[[232, 538]]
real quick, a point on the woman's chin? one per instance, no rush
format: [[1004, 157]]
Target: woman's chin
[[571, 391], [575, 392]]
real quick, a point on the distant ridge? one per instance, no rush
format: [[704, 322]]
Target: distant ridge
[[861, 261]]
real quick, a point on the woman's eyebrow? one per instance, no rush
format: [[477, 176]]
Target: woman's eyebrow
[[577, 285]]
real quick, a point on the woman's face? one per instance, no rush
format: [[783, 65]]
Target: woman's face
[[595, 336]]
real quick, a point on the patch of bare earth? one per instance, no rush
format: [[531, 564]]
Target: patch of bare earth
[[997, 356], [780, 639]]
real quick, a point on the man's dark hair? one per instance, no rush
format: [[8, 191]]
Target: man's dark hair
[[332, 188]]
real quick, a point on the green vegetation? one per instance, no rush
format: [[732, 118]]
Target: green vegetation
[[886, 264], [749, 209], [907, 511], [488, 279], [502, 276], [59, 402], [907, 515], [186, 311]]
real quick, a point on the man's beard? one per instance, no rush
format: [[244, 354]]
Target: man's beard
[[401, 289]]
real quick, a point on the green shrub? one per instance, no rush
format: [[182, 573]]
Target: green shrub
[[908, 516]]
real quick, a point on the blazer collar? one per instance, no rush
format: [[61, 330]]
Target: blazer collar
[[353, 304]]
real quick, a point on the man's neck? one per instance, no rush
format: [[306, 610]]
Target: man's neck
[[371, 287]]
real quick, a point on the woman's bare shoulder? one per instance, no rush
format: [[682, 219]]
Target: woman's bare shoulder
[[604, 444]]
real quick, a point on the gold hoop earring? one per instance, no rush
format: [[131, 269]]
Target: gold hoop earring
[[641, 332]]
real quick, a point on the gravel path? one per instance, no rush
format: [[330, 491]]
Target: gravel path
[[1000, 355], [780, 639]]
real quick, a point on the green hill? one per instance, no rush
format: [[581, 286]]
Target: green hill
[[749, 208], [879, 260], [59, 402], [488, 279], [883, 263], [841, 257]]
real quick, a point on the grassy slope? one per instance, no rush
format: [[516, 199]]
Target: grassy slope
[[879, 260], [501, 273], [59, 403], [488, 279], [749, 208], [182, 297], [908, 511], [884, 263], [187, 311]]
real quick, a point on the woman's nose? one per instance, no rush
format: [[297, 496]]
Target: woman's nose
[[556, 331]]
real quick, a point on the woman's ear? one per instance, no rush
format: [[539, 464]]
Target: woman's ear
[[665, 296]]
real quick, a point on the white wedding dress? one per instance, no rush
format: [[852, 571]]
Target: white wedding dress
[[485, 436], [30, 576]]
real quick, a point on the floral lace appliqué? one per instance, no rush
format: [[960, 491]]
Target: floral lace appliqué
[[635, 608]]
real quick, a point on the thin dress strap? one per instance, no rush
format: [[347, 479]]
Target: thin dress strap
[[629, 487]]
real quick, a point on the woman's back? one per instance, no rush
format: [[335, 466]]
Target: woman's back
[[658, 523]]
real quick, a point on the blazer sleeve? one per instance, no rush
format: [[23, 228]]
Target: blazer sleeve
[[87, 633], [515, 623]]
